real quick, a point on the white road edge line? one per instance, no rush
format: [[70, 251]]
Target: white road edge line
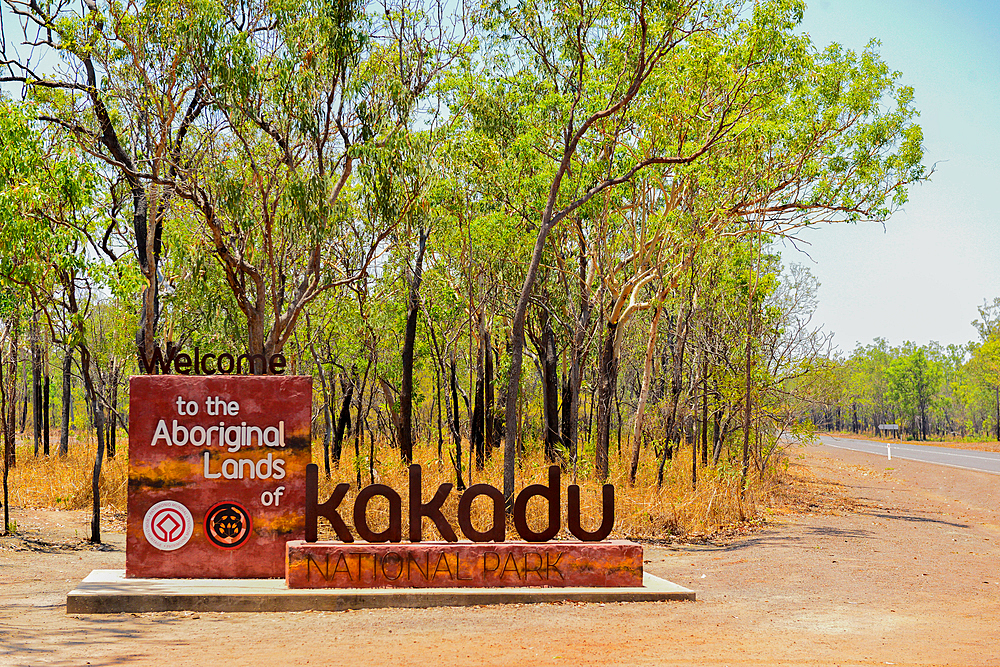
[[949, 465], [943, 451]]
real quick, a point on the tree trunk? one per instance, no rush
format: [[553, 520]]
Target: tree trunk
[[477, 421], [566, 417], [36, 382], [329, 390], [517, 347], [548, 366], [997, 394], [405, 424], [647, 374], [455, 429], [344, 419], [327, 436], [113, 417], [45, 412], [362, 419], [10, 451], [489, 409], [440, 429], [694, 429], [747, 401], [24, 409], [8, 416], [8, 437], [67, 402], [390, 404], [716, 434], [607, 382], [704, 412], [329, 396], [98, 415], [571, 414], [676, 348], [438, 372]]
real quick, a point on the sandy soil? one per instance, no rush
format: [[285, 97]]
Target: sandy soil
[[859, 564]]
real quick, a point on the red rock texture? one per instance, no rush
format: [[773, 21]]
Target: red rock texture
[[161, 471], [462, 564]]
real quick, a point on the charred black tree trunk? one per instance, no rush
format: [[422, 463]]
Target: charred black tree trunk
[[328, 390], [329, 396], [548, 365], [704, 412], [716, 433], [566, 417], [344, 420], [405, 435], [8, 387], [36, 382], [607, 384], [327, 434], [492, 435], [455, 429], [677, 345], [45, 412], [98, 415], [113, 416], [477, 421], [67, 402]]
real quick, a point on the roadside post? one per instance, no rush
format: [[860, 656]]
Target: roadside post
[[888, 444]]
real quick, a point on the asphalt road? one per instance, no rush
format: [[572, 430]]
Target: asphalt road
[[946, 456]]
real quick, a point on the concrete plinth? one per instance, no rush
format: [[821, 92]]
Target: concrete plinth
[[109, 592], [616, 563]]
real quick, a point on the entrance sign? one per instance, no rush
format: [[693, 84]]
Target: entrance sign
[[463, 564], [383, 560], [418, 510], [221, 486], [216, 474], [888, 427]]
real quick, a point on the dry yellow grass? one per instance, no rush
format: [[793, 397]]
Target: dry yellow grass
[[64, 482], [642, 512]]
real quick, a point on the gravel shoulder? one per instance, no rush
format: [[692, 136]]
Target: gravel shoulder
[[861, 562]]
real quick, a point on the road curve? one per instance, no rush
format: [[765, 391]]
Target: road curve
[[946, 456]]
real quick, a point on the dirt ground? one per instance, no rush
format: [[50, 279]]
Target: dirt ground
[[861, 563]]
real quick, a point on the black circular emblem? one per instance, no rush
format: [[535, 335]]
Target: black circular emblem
[[228, 525]]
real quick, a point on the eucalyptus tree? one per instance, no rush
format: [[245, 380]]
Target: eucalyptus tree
[[302, 96], [565, 76], [121, 79], [48, 245]]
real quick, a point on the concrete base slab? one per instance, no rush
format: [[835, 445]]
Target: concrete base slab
[[109, 592]]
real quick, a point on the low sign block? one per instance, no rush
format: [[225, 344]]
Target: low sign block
[[615, 563]]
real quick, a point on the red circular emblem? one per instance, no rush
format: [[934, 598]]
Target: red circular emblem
[[228, 525]]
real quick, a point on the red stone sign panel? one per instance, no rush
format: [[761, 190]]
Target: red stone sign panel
[[463, 564], [216, 474]]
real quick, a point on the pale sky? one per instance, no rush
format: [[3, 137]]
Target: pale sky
[[922, 277]]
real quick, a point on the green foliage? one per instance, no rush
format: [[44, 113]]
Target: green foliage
[[294, 153]]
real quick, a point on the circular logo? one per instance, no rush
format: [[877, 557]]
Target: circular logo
[[168, 525], [228, 525]]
